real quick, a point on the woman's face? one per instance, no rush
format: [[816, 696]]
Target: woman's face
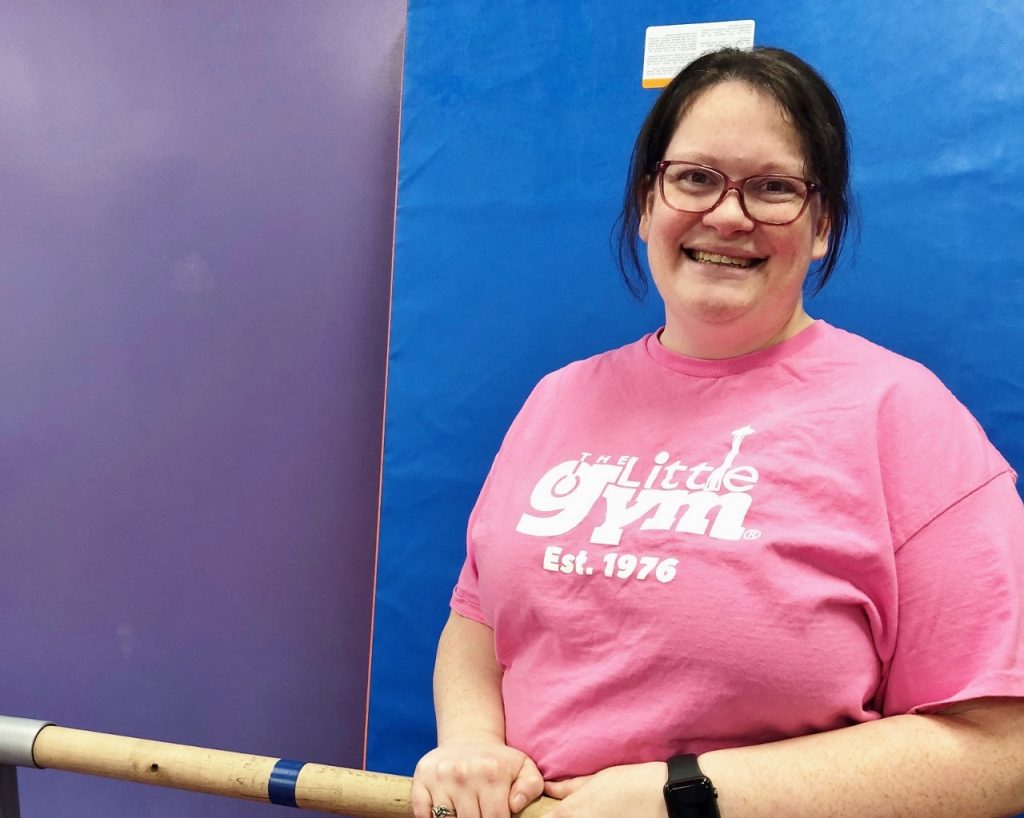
[[742, 132]]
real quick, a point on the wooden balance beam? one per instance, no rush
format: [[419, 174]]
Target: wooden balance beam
[[319, 787]]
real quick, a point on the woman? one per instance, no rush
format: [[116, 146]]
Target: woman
[[733, 543]]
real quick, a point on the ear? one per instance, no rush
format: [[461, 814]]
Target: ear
[[822, 236], [646, 205]]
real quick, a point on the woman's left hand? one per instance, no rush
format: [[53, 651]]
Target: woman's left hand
[[631, 789]]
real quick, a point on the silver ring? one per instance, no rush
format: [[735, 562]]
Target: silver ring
[[441, 811]]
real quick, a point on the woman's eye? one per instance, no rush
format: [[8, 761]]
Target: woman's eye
[[696, 178], [775, 186]]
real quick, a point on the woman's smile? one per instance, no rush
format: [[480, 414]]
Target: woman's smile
[[723, 258]]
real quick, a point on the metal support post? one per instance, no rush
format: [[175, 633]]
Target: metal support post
[[9, 792]]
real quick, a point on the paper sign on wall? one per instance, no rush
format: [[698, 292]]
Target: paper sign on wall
[[669, 49]]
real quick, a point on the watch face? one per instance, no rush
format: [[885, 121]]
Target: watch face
[[695, 798]]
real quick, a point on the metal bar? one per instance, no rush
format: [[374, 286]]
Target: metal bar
[[16, 739]]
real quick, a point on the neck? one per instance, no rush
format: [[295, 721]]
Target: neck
[[727, 340]]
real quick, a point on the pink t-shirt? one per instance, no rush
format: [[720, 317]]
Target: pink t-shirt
[[684, 555]]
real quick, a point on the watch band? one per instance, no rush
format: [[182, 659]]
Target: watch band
[[683, 766], [688, 792]]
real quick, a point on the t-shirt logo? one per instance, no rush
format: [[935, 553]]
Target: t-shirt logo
[[670, 496]]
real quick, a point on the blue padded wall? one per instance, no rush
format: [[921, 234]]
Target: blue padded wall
[[518, 120]]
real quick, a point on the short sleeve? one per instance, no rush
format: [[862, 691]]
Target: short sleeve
[[466, 600], [466, 596], [960, 631], [932, 452]]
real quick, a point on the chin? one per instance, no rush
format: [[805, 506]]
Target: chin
[[719, 304], [718, 311]]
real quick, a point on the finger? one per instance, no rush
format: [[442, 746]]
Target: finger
[[420, 799], [454, 790], [526, 787], [471, 779], [563, 789], [441, 797], [465, 803], [494, 801]]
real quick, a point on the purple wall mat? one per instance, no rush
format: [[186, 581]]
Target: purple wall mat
[[196, 207]]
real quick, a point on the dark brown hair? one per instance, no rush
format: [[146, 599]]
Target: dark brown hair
[[807, 102]]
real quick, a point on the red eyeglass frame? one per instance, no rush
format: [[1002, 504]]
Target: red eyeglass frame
[[734, 184]]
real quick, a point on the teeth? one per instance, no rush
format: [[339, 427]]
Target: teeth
[[714, 258]]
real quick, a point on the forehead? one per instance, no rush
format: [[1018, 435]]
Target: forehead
[[739, 128]]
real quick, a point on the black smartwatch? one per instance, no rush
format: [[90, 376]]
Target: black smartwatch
[[688, 792]]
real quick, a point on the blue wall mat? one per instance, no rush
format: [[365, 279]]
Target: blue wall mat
[[518, 120], [195, 246]]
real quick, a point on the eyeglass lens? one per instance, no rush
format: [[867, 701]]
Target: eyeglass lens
[[769, 199]]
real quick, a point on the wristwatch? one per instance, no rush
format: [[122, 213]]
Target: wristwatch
[[688, 792]]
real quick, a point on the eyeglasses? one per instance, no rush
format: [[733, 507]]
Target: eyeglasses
[[694, 188]]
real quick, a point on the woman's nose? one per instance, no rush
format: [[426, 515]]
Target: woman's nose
[[728, 216]]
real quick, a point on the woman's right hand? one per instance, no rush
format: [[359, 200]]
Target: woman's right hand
[[477, 777]]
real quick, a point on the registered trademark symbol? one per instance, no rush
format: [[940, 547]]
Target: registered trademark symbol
[[751, 534]]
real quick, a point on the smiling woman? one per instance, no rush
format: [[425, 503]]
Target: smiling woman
[[732, 284], [731, 551]]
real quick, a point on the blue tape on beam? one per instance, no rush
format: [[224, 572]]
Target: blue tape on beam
[[281, 786]]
